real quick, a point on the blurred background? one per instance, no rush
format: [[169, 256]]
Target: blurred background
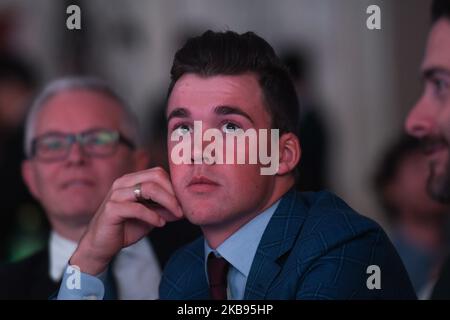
[[356, 85]]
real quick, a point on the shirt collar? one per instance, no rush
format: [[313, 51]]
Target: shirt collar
[[246, 239], [60, 250]]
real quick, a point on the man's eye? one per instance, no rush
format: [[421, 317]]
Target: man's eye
[[52, 144], [230, 127], [440, 85], [99, 139], [182, 129]]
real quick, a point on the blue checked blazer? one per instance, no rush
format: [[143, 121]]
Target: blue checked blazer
[[314, 247]]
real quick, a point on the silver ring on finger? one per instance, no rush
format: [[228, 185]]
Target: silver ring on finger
[[138, 192]]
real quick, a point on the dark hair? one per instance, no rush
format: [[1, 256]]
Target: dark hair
[[404, 147], [440, 9], [230, 53]]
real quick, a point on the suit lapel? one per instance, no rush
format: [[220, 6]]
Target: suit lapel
[[278, 238], [198, 289], [190, 282], [41, 286]]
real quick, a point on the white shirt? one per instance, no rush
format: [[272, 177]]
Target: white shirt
[[132, 266]]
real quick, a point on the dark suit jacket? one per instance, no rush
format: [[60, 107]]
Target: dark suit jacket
[[27, 279], [314, 247]]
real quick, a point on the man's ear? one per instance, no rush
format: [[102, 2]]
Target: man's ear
[[141, 159], [290, 153], [29, 178]]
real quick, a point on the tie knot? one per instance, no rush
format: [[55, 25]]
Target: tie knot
[[217, 274]]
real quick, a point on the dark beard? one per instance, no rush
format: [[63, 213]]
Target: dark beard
[[438, 187]]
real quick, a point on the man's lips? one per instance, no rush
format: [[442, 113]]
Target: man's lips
[[201, 181], [77, 183], [202, 185]]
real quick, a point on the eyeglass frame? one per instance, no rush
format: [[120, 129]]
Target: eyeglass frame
[[78, 138]]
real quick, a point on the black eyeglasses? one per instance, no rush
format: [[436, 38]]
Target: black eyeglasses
[[55, 146]]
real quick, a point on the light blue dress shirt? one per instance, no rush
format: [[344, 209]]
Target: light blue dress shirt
[[239, 250], [86, 287]]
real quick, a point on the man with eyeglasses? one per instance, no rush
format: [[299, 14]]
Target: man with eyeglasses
[[79, 138]]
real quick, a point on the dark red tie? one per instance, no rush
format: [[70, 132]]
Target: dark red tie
[[217, 275]]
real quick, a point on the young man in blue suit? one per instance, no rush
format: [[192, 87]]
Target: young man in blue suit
[[261, 238]]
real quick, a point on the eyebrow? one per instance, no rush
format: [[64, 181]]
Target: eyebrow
[[430, 72], [219, 110], [227, 110], [179, 113]]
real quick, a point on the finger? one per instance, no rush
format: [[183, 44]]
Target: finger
[[156, 174], [154, 192], [132, 210], [157, 194]]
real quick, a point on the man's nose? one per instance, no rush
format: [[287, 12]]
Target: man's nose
[[197, 151], [76, 153], [420, 120], [198, 154]]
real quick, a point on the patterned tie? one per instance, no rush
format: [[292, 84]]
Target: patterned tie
[[217, 275]]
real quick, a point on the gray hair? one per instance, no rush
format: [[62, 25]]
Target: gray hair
[[129, 124]]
